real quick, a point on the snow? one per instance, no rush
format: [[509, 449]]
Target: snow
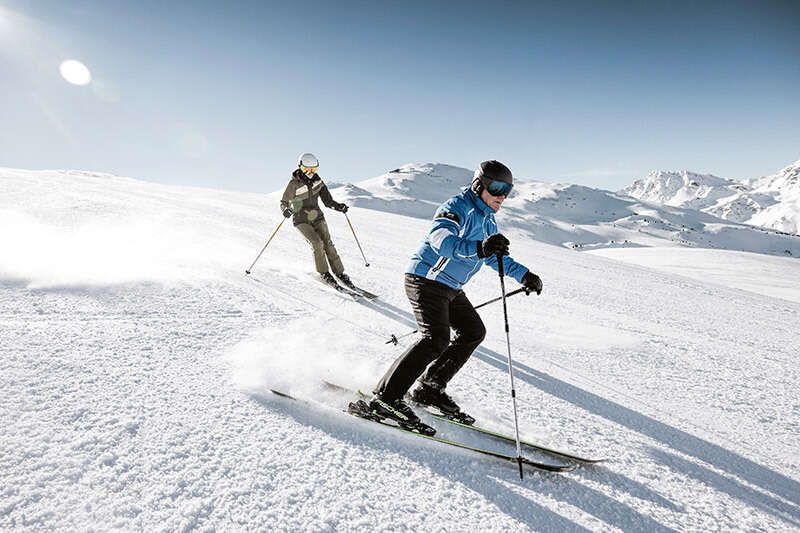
[[769, 201], [784, 214], [415, 189], [574, 216], [136, 360], [681, 189], [770, 276]]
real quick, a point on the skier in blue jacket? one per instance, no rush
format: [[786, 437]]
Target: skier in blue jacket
[[462, 239]]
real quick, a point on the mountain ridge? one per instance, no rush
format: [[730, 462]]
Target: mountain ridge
[[771, 201], [570, 215]]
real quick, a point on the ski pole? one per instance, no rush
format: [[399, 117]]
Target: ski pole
[[366, 263], [512, 293], [265, 246], [394, 339], [510, 369]]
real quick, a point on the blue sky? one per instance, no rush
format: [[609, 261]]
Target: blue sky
[[227, 94]]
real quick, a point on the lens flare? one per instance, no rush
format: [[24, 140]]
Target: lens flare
[[75, 72]]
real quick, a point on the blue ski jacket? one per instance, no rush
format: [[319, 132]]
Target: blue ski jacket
[[449, 253]]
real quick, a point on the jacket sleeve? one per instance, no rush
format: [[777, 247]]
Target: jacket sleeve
[[327, 199], [445, 234], [510, 267], [288, 195]]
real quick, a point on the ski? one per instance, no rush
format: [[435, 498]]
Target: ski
[[366, 294], [547, 467], [341, 289], [508, 438], [500, 436], [363, 292]]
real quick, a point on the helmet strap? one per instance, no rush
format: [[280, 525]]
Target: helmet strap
[[477, 187]]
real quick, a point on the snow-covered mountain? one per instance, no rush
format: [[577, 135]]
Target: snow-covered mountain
[[784, 187], [137, 358], [415, 189], [769, 201], [575, 216], [682, 189]]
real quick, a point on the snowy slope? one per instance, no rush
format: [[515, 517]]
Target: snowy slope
[[769, 201], [136, 357], [739, 270], [574, 216]]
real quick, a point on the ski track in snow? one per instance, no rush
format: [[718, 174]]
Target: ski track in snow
[[138, 398]]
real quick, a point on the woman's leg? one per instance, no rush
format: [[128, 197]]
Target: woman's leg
[[317, 246]]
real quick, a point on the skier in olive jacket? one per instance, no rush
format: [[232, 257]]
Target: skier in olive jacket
[[299, 201]]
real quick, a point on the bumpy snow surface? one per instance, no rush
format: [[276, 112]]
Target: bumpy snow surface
[[137, 358]]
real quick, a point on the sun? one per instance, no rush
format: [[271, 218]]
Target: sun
[[75, 72]]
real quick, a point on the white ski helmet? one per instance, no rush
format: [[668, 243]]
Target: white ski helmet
[[307, 160]]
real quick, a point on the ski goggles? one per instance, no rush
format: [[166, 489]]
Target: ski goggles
[[499, 188], [308, 169]]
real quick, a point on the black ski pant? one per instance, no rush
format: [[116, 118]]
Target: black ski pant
[[437, 308]]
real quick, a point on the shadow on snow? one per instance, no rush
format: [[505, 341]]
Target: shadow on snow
[[778, 495], [476, 473], [712, 454]]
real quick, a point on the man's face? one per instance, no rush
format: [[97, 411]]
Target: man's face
[[308, 171], [492, 201]]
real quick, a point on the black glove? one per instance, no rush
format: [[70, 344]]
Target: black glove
[[342, 208], [532, 283], [493, 245], [287, 212]]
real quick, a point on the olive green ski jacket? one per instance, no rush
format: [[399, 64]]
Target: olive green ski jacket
[[301, 196]]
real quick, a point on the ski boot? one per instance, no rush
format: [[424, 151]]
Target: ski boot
[[346, 281], [436, 397], [397, 411], [328, 279]]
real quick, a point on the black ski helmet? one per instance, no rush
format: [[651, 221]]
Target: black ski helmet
[[490, 171]]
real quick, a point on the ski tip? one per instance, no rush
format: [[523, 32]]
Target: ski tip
[[282, 394], [546, 467], [246, 271]]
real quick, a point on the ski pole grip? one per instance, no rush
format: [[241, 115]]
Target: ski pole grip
[[500, 265]]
